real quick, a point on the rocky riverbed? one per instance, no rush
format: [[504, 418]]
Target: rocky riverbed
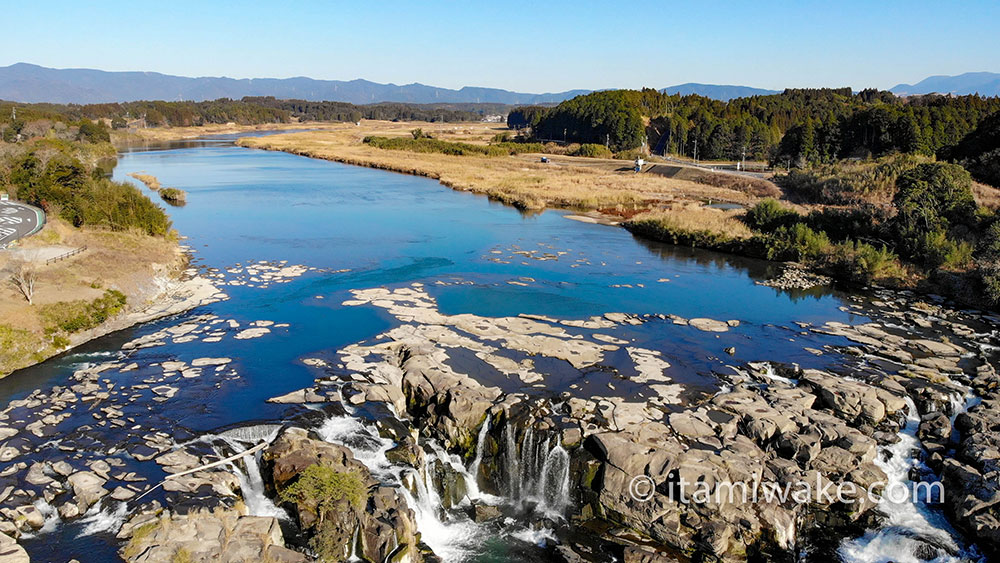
[[470, 427]]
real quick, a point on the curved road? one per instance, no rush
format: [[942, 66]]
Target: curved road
[[18, 220]]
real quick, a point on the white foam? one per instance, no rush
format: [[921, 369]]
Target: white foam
[[911, 522], [98, 520]]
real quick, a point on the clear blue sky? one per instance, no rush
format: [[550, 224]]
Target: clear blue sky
[[533, 46]]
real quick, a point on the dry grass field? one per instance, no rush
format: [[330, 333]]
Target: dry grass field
[[521, 180], [131, 263]]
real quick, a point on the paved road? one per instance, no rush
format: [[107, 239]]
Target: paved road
[[18, 220]]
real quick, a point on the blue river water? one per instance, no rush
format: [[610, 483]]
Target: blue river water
[[361, 228]]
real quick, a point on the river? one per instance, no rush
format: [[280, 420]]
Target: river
[[356, 228]]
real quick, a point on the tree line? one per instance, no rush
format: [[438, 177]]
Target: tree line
[[796, 128], [246, 111]]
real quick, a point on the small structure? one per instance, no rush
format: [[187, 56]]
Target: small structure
[[4, 196]]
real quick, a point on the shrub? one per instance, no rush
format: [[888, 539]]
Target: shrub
[[864, 222], [769, 215], [93, 132], [593, 150], [988, 272], [427, 145], [937, 250], [52, 175], [75, 316], [798, 242], [321, 487], [860, 264], [846, 183], [631, 154], [16, 346]]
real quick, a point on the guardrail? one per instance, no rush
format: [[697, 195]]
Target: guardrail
[[69, 254]]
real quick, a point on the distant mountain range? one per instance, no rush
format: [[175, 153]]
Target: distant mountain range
[[982, 83], [718, 92], [23, 82], [28, 83]]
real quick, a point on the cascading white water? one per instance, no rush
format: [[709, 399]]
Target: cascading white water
[[353, 549], [251, 482], [554, 485], [450, 538], [252, 434], [50, 515], [773, 375], [108, 519], [537, 473], [511, 462], [911, 523], [478, 459]]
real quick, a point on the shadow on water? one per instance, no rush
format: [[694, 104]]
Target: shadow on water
[[756, 269]]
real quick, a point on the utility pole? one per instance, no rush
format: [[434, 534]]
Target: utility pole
[[696, 150], [743, 162]]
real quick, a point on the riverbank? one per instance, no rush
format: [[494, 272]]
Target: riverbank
[[520, 180], [79, 275], [129, 137]]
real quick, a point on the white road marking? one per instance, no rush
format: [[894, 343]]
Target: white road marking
[[10, 220]]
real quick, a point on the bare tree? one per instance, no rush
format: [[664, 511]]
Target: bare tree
[[24, 278]]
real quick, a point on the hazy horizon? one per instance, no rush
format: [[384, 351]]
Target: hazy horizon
[[523, 47]]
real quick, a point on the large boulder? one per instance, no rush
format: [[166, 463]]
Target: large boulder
[[377, 515], [11, 552], [219, 535]]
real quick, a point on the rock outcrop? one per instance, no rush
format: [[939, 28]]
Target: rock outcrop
[[374, 521], [229, 536]]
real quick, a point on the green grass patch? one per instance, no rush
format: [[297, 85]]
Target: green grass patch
[[74, 316], [18, 348]]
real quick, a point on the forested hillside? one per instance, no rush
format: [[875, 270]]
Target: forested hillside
[[793, 128]]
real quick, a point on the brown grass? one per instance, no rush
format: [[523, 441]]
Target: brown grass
[[695, 217], [148, 179], [523, 181], [987, 196], [127, 262]]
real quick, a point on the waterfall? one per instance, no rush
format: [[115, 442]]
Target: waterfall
[[537, 473], [911, 524], [511, 463], [554, 485], [352, 551], [451, 538], [252, 434], [251, 482], [478, 460], [364, 442]]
